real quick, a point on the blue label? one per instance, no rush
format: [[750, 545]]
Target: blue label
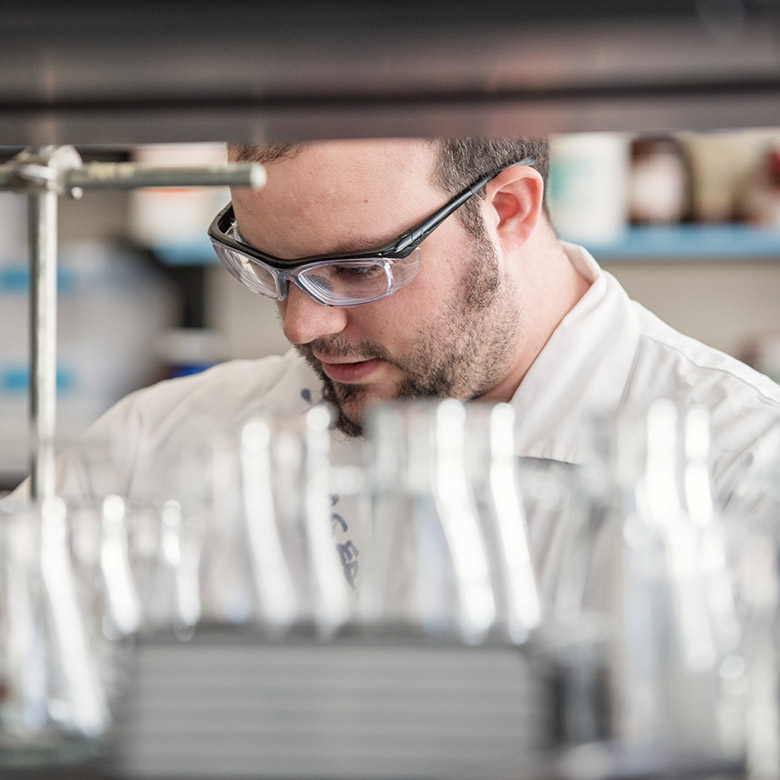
[[15, 379], [16, 279]]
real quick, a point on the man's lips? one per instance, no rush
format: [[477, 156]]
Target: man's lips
[[344, 371]]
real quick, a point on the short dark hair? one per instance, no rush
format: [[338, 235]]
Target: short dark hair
[[459, 162], [263, 153]]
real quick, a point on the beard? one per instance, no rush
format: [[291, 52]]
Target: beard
[[462, 354]]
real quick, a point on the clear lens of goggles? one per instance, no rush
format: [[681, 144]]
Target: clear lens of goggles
[[334, 283]]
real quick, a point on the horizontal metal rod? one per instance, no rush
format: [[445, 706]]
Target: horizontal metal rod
[[100, 176], [128, 176]]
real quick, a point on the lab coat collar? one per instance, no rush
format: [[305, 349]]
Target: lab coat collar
[[581, 371]]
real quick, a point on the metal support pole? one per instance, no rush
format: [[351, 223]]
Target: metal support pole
[[42, 232], [38, 173]]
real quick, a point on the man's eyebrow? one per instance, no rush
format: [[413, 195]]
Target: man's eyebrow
[[352, 244], [357, 244]]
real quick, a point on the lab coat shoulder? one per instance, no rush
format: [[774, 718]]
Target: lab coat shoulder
[[223, 391], [666, 358], [744, 405], [148, 433]]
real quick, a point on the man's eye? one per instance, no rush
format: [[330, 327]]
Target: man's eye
[[358, 271]]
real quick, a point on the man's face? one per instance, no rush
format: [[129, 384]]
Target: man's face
[[450, 333]]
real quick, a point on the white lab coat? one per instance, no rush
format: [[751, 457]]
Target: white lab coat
[[607, 352]]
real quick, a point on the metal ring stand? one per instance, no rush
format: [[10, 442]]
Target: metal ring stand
[[44, 174]]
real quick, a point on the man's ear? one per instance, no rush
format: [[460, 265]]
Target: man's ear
[[513, 200]]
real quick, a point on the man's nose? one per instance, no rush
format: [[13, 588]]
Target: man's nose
[[304, 320]]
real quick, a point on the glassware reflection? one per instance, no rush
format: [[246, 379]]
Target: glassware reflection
[[648, 572], [53, 706], [268, 557], [449, 553]]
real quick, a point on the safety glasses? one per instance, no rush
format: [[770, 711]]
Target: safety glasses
[[335, 280]]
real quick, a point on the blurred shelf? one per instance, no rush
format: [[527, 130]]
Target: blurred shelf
[[691, 243], [115, 73], [677, 243]]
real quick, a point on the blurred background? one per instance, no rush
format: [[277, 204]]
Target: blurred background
[[666, 159]]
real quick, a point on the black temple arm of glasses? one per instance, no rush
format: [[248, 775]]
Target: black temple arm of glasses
[[418, 233]]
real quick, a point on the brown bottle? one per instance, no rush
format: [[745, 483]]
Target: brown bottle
[[659, 191]]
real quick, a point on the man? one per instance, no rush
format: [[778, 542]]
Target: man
[[470, 325], [483, 302]]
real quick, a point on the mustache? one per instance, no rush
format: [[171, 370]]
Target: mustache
[[339, 347]]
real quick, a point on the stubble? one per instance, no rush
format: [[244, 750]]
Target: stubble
[[463, 354]]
